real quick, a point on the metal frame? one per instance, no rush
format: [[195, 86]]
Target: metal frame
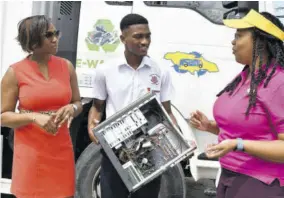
[[138, 103]]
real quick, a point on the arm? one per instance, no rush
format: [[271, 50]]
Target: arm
[[167, 106], [68, 112], [200, 121], [94, 118], [270, 150], [99, 95], [213, 127], [166, 94], [267, 150], [76, 99], [9, 98]]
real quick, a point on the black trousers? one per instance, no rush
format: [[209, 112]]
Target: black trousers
[[237, 185], [113, 187]]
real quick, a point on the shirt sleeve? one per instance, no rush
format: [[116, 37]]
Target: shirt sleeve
[[276, 109], [99, 88], [166, 86]]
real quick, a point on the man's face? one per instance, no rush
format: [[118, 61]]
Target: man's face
[[137, 39]]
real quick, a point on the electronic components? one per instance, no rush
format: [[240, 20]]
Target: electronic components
[[159, 128], [142, 142], [123, 128]]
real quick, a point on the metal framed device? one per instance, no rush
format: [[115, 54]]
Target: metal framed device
[[142, 142]]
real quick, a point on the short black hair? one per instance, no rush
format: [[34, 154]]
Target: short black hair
[[262, 42], [31, 31], [132, 19]]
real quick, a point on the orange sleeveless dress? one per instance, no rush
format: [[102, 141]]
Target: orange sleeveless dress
[[43, 164]]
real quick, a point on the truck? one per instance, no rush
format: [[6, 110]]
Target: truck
[[188, 37]]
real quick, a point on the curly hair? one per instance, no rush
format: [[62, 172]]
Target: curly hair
[[262, 42]]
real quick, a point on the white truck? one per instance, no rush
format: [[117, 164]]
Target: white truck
[[188, 37]]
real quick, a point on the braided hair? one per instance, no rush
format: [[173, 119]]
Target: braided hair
[[262, 42]]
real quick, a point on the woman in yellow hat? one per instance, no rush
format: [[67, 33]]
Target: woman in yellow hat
[[249, 112]]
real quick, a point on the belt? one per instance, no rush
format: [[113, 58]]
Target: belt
[[42, 112]]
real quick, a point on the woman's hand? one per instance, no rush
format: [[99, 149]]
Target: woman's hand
[[199, 121], [46, 122], [221, 149], [64, 114]]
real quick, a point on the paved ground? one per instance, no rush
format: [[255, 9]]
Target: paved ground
[[196, 189]]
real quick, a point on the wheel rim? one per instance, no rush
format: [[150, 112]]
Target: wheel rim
[[96, 191]]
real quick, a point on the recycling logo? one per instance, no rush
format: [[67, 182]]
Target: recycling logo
[[103, 36]]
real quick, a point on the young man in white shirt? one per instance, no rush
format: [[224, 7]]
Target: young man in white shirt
[[119, 83]]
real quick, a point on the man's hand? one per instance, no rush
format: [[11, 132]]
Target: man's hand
[[93, 123], [94, 117]]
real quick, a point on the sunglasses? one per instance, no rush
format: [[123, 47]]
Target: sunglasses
[[50, 35]]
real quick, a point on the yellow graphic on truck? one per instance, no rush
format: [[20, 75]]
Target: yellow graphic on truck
[[192, 62]]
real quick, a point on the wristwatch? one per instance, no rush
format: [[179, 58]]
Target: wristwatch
[[240, 145], [74, 107]]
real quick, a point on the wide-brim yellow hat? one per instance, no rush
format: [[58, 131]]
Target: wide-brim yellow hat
[[254, 19]]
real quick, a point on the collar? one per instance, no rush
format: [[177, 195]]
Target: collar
[[146, 61], [245, 71]]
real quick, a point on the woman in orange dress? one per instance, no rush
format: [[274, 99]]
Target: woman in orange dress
[[47, 91]]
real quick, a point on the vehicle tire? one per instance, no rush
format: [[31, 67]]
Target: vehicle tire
[[87, 165], [173, 183], [87, 177]]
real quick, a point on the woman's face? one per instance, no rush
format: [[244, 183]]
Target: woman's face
[[49, 42], [243, 46]]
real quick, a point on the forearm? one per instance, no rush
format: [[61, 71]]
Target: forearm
[[173, 119], [93, 120], [14, 120], [267, 150], [213, 128], [94, 115], [80, 108]]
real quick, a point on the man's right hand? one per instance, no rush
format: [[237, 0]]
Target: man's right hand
[[94, 118], [91, 126]]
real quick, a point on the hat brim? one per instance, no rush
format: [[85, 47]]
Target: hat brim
[[237, 23], [254, 19]]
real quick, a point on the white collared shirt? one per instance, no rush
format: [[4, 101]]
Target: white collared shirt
[[119, 84]]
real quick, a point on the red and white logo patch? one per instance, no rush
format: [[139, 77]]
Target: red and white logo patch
[[154, 79]]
